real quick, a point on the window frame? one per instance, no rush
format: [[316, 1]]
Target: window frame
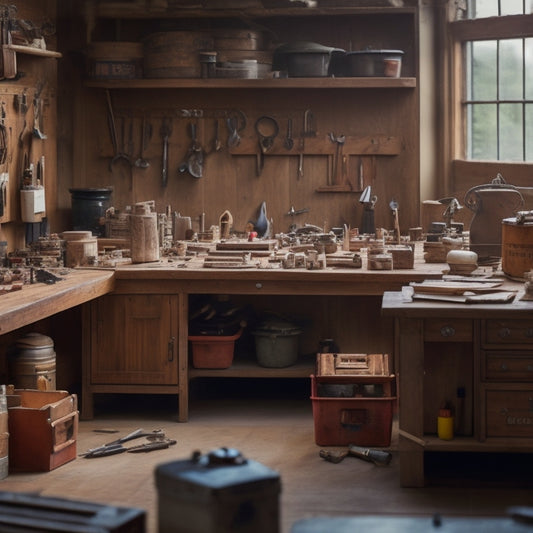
[[460, 173]]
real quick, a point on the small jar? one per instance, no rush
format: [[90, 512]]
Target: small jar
[[445, 422]]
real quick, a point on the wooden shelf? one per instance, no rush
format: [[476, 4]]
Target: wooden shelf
[[250, 369], [32, 51], [470, 444], [263, 83]]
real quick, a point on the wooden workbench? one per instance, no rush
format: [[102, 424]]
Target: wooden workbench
[[484, 350], [136, 340]]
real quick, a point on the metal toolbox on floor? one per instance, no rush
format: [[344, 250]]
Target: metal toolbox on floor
[[43, 427], [219, 492], [353, 398], [31, 512]]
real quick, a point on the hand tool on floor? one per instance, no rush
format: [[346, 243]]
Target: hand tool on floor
[[116, 446], [378, 457]]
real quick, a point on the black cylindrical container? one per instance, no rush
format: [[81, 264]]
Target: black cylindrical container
[[88, 209]]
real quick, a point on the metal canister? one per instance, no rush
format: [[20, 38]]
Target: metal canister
[[33, 364], [220, 492]]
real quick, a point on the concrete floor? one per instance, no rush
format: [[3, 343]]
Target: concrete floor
[[271, 421]]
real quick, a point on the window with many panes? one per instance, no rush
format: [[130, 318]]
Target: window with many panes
[[497, 72]]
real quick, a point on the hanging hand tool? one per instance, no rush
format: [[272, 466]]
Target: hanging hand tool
[[289, 141], [217, 145], [236, 122], [113, 131], [146, 134], [165, 131], [339, 140], [194, 160], [308, 130], [267, 130], [394, 207], [369, 201]]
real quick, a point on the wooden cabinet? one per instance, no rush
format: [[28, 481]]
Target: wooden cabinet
[[482, 351], [133, 345]]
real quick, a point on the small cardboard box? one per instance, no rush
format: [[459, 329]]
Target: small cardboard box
[[43, 427]]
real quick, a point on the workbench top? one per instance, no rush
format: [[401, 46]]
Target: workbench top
[[40, 300]]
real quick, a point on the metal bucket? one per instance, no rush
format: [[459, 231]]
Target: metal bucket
[[33, 365]]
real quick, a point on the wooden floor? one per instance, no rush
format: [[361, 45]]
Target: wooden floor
[[270, 421]]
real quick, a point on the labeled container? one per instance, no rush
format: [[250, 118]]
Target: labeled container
[[517, 247], [364, 421], [276, 343], [304, 59], [445, 423], [217, 493], [370, 62], [114, 60], [33, 364], [89, 207], [213, 351]]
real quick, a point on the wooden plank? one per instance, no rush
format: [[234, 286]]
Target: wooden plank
[[38, 301], [322, 145]]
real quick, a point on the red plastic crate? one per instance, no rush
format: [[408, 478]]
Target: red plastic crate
[[213, 351], [359, 420]]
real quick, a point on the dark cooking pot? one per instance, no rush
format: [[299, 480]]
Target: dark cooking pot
[[371, 62], [304, 59]]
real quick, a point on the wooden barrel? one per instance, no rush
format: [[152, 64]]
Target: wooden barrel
[[144, 235], [33, 365], [175, 54], [517, 247]]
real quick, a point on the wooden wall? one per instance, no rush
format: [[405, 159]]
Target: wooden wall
[[33, 72], [229, 180]]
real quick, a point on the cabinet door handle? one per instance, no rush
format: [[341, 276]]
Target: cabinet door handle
[[258, 285], [171, 348], [504, 367], [505, 332], [447, 331]]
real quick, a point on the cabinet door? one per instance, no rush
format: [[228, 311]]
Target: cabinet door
[[135, 340]]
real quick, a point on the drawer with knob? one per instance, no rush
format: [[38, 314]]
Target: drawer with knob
[[508, 331], [509, 412], [447, 330], [507, 366]]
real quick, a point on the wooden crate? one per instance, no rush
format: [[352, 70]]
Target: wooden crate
[[43, 427], [352, 364]]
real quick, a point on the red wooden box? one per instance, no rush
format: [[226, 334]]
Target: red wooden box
[[339, 421]]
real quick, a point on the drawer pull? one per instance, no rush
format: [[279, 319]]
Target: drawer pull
[[447, 331], [505, 332], [529, 333], [504, 367], [258, 285]]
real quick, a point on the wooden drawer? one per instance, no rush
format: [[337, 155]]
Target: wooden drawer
[[508, 366], [509, 413], [447, 330], [509, 331]]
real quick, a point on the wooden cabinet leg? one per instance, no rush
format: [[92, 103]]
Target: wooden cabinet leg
[[411, 463]]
